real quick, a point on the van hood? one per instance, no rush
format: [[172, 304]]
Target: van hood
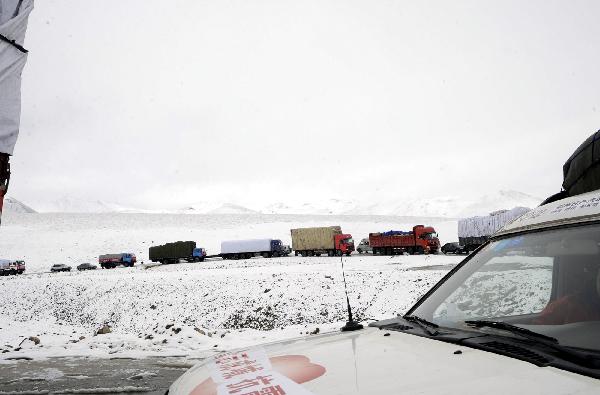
[[373, 361]]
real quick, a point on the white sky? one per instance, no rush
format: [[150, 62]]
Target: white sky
[[160, 104]]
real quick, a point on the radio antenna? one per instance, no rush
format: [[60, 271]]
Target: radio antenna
[[351, 325]]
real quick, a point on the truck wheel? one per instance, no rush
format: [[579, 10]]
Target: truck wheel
[[338, 252], [348, 253], [330, 253], [359, 250]]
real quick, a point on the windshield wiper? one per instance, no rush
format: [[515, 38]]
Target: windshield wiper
[[424, 324], [565, 352], [526, 333]]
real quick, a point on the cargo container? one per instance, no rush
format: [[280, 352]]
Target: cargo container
[[321, 240], [421, 240], [11, 267], [176, 251], [110, 261], [244, 249], [474, 231]]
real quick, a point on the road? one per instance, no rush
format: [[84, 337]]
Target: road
[[91, 376]]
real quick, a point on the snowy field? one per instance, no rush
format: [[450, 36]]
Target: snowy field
[[192, 309]]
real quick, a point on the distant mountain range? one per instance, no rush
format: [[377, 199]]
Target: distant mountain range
[[451, 206], [14, 206]]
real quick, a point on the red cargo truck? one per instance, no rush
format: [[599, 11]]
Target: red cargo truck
[[421, 240]]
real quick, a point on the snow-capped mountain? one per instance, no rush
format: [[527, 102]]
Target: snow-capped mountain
[[75, 205], [12, 205], [444, 206]]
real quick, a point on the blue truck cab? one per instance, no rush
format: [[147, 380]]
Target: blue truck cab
[[199, 254]]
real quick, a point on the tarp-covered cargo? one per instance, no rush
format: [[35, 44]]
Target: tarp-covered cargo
[[483, 227], [321, 238], [175, 250], [242, 246]]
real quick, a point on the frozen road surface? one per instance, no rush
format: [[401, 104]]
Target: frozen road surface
[[91, 376]]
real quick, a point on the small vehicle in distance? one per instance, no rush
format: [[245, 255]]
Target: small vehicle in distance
[[286, 250], [59, 267], [452, 248], [176, 251], [10, 267], [110, 261], [364, 246], [86, 266]]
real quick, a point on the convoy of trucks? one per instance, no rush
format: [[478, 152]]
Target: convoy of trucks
[[321, 240], [474, 231], [174, 252], [10, 267], [110, 261], [420, 240]]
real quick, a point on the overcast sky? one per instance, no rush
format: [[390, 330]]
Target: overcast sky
[[162, 104]]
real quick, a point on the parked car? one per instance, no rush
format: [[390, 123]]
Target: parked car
[[59, 267], [364, 246], [452, 248], [86, 266]]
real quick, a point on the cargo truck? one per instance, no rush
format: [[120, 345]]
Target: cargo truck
[[174, 252], [10, 267], [474, 231], [322, 240], [244, 249], [110, 261], [421, 240]]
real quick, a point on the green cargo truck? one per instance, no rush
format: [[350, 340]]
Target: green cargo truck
[[174, 252]]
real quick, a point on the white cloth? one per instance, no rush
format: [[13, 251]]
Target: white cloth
[[13, 24], [487, 226]]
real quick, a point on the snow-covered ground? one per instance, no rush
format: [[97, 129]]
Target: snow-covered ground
[[192, 309], [195, 309]]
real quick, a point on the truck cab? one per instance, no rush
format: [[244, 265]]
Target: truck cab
[[344, 244], [428, 237], [277, 248], [128, 259], [199, 254]]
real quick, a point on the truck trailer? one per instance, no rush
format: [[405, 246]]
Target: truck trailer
[[174, 252], [420, 240], [10, 267], [110, 261], [474, 231], [244, 249], [321, 240]]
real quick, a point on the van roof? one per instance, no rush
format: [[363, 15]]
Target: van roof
[[571, 210]]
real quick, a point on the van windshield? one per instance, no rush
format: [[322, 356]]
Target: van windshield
[[547, 282]]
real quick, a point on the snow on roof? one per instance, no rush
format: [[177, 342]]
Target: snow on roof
[[580, 208]]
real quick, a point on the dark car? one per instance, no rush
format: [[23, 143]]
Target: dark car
[[86, 266], [452, 248], [59, 267]]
